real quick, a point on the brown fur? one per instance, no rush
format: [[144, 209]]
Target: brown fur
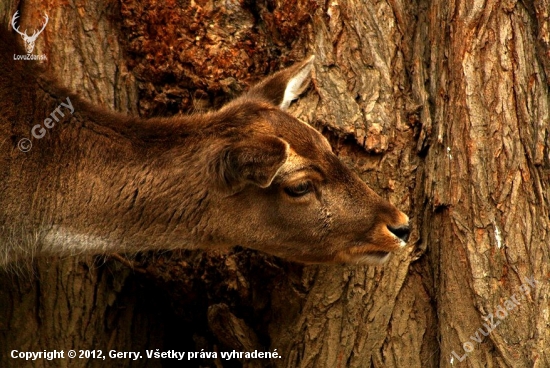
[[104, 182]]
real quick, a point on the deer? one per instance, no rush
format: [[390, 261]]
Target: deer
[[29, 40], [248, 174]]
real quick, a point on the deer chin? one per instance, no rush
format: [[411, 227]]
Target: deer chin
[[372, 258], [368, 258], [365, 253]]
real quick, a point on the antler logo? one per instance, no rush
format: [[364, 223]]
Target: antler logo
[[29, 40]]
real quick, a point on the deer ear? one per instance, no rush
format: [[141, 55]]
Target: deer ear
[[254, 161], [285, 86]]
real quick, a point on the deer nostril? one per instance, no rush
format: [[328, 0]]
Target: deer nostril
[[402, 232]]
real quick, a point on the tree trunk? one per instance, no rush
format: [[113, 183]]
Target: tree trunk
[[441, 106]]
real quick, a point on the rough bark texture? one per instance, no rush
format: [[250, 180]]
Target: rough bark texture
[[443, 107]]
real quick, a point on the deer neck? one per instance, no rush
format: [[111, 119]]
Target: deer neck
[[91, 188]]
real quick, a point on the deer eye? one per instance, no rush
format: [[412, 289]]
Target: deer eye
[[300, 189]]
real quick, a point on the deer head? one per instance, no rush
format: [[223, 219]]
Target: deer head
[[29, 40], [289, 193]]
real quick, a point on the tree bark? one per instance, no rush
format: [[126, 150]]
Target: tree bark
[[440, 106]]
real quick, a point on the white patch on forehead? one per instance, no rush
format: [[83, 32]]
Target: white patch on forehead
[[293, 162], [288, 153]]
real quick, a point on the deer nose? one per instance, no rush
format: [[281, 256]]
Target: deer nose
[[402, 232]]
